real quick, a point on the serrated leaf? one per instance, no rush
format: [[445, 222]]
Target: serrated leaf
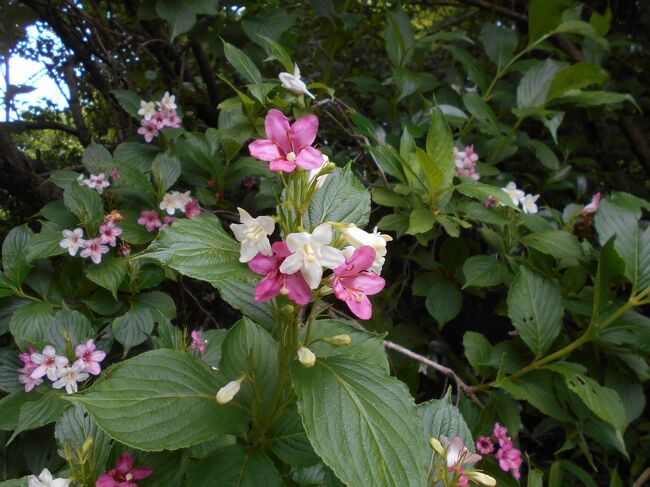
[[11, 405], [537, 388], [444, 300], [67, 330], [355, 415], [34, 414], [499, 43], [133, 327], [109, 273], [14, 254], [165, 170], [129, 101], [85, 203], [287, 439], [162, 399], [44, 244], [439, 168], [575, 77], [175, 12], [441, 418], [136, 154], [484, 271], [534, 86], [96, 159], [240, 294], [28, 324], [557, 243]]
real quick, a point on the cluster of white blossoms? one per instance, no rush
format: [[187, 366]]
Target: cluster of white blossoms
[[528, 202], [98, 182]]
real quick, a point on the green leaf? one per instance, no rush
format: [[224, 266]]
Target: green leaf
[[57, 212], [240, 294], [287, 439], [175, 12], [161, 305], [481, 112], [198, 248], [44, 244], [439, 168], [165, 170], [14, 254], [387, 197], [76, 427], [136, 154], [441, 418], [250, 349], [388, 160], [444, 300], [479, 352], [575, 77], [536, 83], [557, 243], [499, 43], [544, 16], [85, 203], [28, 324], [34, 414], [235, 466], [162, 399], [133, 180], [129, 101], [108, 274], [275, 49], [133, 327], [342, 198], [242, 63], [68, 329], [535, 308], [11, 405], [538, 389], [399, 36], [63, 177], [484, 271], [482, 192], [96, 159], [421, 220], [470, 65], [339, 392], [594, 98]]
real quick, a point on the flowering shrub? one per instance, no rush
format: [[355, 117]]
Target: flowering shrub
[[493, 294]]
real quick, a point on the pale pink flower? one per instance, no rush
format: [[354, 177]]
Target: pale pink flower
[[500, 433], [197, 342], [124, 473], [148, 129], [353, 283], [167, 221], [25, 378], [149, 219], [456, 453], [72, 240], [466, 162], [98, 182], [275, 282], [159, 120], [192, 208], [89, 357], [484, 445], [47, 363], [68, 377], [593, 205], [94, 249], [288, 146], [108, 233], [171, 119], [115, 174]]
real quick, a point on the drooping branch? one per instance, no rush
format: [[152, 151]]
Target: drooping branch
[[20, 126]]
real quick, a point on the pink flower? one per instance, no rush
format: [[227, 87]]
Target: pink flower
[[108, 232], [171, 119], [149, 219], [500, 433], [197, 342], [593, 205], [463, 480], [89, 357], [27, 380], [124, 250], [115, 175], [123, 474], [484, 445], [94, 249], [98, 182], [353, 284], [490, 202], [275, 282], [466, 162], [192, 208], [509, 459], [47, 363], [167, 221], [288, 146], [148, 129], [159, 120]]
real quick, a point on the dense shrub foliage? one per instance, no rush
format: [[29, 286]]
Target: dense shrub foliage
[[347, 244]]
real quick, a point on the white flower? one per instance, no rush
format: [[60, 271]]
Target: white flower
[[253, 234], [45, 479], [306, 357], [314, 172], [174, 201], [167, 102], [516, 195], [358, 238], [292, 82], [68, 378], [72, 240], [98, 182], [311, 253], [528, 203], [82, 181], [147, 109], [229, 391], [49, 363]]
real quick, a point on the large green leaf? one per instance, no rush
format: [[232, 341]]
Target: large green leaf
[[544, 16], [85, 203], [361, 422], [28, 324], [341, 198], [441, 418], [175, 12], [96, 159], [165, 170], [11, 405], [15, 248], [439, 167], [287, 439], [536, 83], [198, 248], [45, 244], [558, 243], [535, 308], [240, 294], [537, 388], [499, 43], [444, 300], [34, 414], [242, 63], [162, 399], [483, 271], [108, 274], [400, 40], [594, 98], [136, 154], [133, 327], [575, 77], [68, 329], [129, 101]]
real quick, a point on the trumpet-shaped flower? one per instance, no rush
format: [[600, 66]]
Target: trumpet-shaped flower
[[528, 203], [292, 82], [191, 208], [516, 195], [150, 220], [358, 238], [68, 377], [148, 129], [46, 479], [147, 109], [72, 240], [311, 252], [94, 249], [48, 363], [253, 234], [456, 453], [98, 182], [124, 473], [88, 357], [353, 284], [484, 445], [175, 201], [466, 162], [288, 146], [275, 282], [593, 205], [109, 232], [167, 102]]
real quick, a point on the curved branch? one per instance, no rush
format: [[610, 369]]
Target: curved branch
[[20, 126]]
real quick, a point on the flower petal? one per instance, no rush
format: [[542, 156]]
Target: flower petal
[[295, 241], [124, 463], [303, 131], [262, 264], [247, 251], [277, 129], [281, 249], [140, 473], [331, 257], [362, 258], [299, 291], [264, 150], [268, 288], [267, 223], [291, 264], [366, 282], [282, 165], [309, 158], [312, 272], [361, 309], [322, 234]]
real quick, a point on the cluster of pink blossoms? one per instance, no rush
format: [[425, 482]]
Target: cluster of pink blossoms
[[508, 456], [93, 248], [198, 343], [170, 203], [157, 116], [124, 473], [57, 368], [98, 182], [466, 162]]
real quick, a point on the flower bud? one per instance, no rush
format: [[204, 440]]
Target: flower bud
[[481, 478], [437, 446], [339, 340], [229, 391], [306, 357]]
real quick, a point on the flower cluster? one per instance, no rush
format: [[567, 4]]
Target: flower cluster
[[157, 116], [507, 455], [124, 473], [456, 468], [198, 343], [528, 201], [170, 203], [96, 247], [98, 182], [466, 162], [57, 368]]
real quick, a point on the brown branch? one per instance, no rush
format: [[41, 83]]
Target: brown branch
[[75, 104], [645, 476], [20, 126], [206, 71]]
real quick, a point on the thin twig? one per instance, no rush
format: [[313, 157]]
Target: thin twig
[[198, 303], [645, 476]]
